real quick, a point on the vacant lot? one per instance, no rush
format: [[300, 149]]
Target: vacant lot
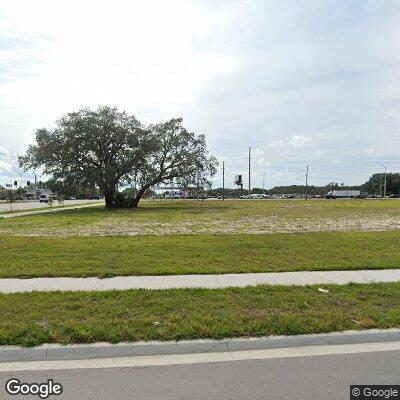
[[214, 217], [199, 237], [194, 313], [196, 254]]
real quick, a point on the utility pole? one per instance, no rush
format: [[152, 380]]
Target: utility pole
[[264, 181], [223, 180], [249, 171], [307, 182], [384, 186], [384, 182]]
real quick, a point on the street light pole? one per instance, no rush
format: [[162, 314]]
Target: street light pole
[[384, 185], [384, 182], [223, 180], [249, 171], [307, 183], [263, 181]]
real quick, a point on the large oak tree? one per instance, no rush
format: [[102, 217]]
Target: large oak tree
[[179, 156], [110, 149]]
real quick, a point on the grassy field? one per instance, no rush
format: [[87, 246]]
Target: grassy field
[[196, 254], [188, 237], [190, 217], [60, 317]]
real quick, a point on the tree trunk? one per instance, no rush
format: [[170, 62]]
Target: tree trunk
[[109, 197], [138, 197]]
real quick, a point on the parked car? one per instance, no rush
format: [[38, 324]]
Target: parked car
[[95, 197], [43, 198], [363, 195]]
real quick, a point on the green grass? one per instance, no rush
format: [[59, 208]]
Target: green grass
[[68, 317], [196, 254], [209, 217]]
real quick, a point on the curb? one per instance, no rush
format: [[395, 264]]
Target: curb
[[106, 350]]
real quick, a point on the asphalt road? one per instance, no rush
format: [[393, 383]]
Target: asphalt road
[[27, 205], [308, 378]]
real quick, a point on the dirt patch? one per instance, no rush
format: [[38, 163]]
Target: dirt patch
[[244, 225]]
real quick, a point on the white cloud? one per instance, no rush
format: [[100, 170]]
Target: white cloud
[[3, 151], [127, 55], [295, 141], [299, 141], [257, 152], [260, 160], [372, 152], [319, 154], [277, 143], [8, 164]]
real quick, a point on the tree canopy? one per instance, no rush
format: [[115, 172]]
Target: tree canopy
[[109, 149], [375, 183]]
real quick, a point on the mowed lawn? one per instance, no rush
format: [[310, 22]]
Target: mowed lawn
[[75, 317], [231, 216], [106, 256]]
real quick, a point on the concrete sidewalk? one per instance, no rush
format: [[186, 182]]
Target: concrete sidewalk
[[198, 281]]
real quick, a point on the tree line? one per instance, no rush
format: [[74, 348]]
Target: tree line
[[374, 185]]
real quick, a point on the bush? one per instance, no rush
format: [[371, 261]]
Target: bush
[[123, 200]]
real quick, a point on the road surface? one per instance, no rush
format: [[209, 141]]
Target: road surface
[[27, 205], [305, 372], [308, 378]]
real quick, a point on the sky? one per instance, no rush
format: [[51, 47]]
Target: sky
[[302, 83]]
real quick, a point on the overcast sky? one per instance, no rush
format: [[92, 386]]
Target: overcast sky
[[302, 82]]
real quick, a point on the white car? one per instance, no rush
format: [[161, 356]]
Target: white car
[[43, 198], [259, 196]]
